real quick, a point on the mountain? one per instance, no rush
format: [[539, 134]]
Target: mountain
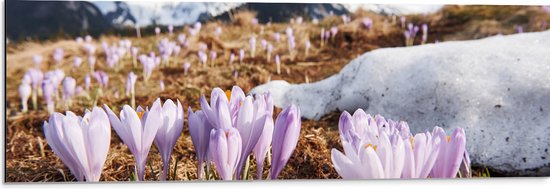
[[46, 19]]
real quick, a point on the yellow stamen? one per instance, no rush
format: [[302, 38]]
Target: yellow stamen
[[140, 114], [412, 142], [370, 145], [228, 94], [448, 138]]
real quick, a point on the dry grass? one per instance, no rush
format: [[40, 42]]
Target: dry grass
[[26, 161]]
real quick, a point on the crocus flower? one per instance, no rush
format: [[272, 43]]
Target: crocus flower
[[197, 26], [225, 150], [37, 60], [161, 85], [102, 78], [69, 87], [203, 57], [169, 132], [235, 74], [278, 64], [424, 33], [262, 147], [277, 37], [131, 83], [241, 55], [87, 82], [157, 31], [77, 62], [82, 143], [254, 21], [218, 31], [269, 50], [186, 67], [58, 55], [263, 42], [286, 134], [327, 36], [181, 39], [48, 91], [367, 23], [88, 38], [420, 155], [403, 19], [79, 40], [137, 129], [91, 62], [24, 92], [138, 31], [451, 153], [231, 58], [199, 128], [213, 56], [252, 43], [333, 31], [170, 29], [307, 47], [519, 29]]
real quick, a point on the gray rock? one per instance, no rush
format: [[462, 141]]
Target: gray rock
[[497, 89]]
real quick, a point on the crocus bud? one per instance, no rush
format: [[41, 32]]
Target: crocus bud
[[91, 62], [451, 153], [157, 31], [81, 145], [79, 40], [286, 132], [181, 39], [403, 19], [367, 23], [307, 46], [199, 129], [69, 86], [25, 91], [252, 43], [87, 82], [58, 55], [169, 132], [333, 31], [170, 29], [262, 147], [37, 60], [241, 56], [277, 37], [225, 150], [48, 91], [218, 31], [186, 67], [131, 83], [213, 56], [102, 78], [263, 42], [77, 61], [278, 64], [269, 50], [231, 58]]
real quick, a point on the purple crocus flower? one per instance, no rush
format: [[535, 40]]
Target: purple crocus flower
[[252, 43], [403, 20], [286, 132], [58, 55], [421, 152], [269, 50], [424, 33], [161, 85], [48, 90], [157, 31], [262, 147], [241, 55], [213, 56], [170, 29], [137, 129], [36, 76], [91, 62], [77, 62], [231, 58], [87, 82], [69, 87], [37, 59], [367, 23], [169, 132], [134, 51], [225, 150], [197, 26], [82, 143], [218, 31], [102, 78], [25, 91], [278, 64], [203, 57], [235, 74], [199, 128], [186, 67], [277, 37], [130, 83], [181, 39], [334, 31], [327, 35], [263, 43], [451, 153], [519, 29], [79, 40]]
